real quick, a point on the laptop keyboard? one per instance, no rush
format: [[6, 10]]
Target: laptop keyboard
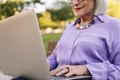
[[72, 78], [59, 78]]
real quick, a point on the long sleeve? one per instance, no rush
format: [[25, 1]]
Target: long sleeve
[[51, 60], [104, 71]]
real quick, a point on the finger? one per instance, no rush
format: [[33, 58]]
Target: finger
[[53, 72], [62, 72], [69, 74]]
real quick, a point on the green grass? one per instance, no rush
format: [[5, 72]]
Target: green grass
[[50, 37]]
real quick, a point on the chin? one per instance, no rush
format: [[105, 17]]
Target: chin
[[78, 14]]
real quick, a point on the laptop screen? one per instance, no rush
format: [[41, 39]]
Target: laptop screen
[[21, 47]]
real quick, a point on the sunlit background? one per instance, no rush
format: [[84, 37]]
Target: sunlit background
[[53, 15]]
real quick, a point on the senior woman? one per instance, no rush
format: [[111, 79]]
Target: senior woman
[[90, 45]]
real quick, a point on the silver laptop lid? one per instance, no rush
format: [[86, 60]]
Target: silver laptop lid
[[21, 47]]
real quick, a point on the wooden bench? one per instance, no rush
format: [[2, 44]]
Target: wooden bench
[[50, 47]]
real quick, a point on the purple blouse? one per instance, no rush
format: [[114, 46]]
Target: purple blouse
[[97, 47]]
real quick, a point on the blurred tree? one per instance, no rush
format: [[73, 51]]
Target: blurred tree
[[61, 12], [10, 7], [45, 21]]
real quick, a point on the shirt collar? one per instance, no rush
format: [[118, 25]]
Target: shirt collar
[[102, 18]]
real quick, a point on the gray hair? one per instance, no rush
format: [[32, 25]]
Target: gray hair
[[100, 7]]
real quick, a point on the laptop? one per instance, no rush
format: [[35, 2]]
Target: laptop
[[22, 51]]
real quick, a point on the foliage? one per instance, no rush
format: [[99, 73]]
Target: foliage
[[61, 13], [45, 21], [10, 7], [56, 17]]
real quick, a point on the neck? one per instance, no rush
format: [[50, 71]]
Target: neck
[[87, 19]]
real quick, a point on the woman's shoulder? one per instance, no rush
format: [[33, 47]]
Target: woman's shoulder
[[112, 19], [107, 18], [113, 24]]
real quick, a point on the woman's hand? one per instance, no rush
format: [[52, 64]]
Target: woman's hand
[[70, 70]]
